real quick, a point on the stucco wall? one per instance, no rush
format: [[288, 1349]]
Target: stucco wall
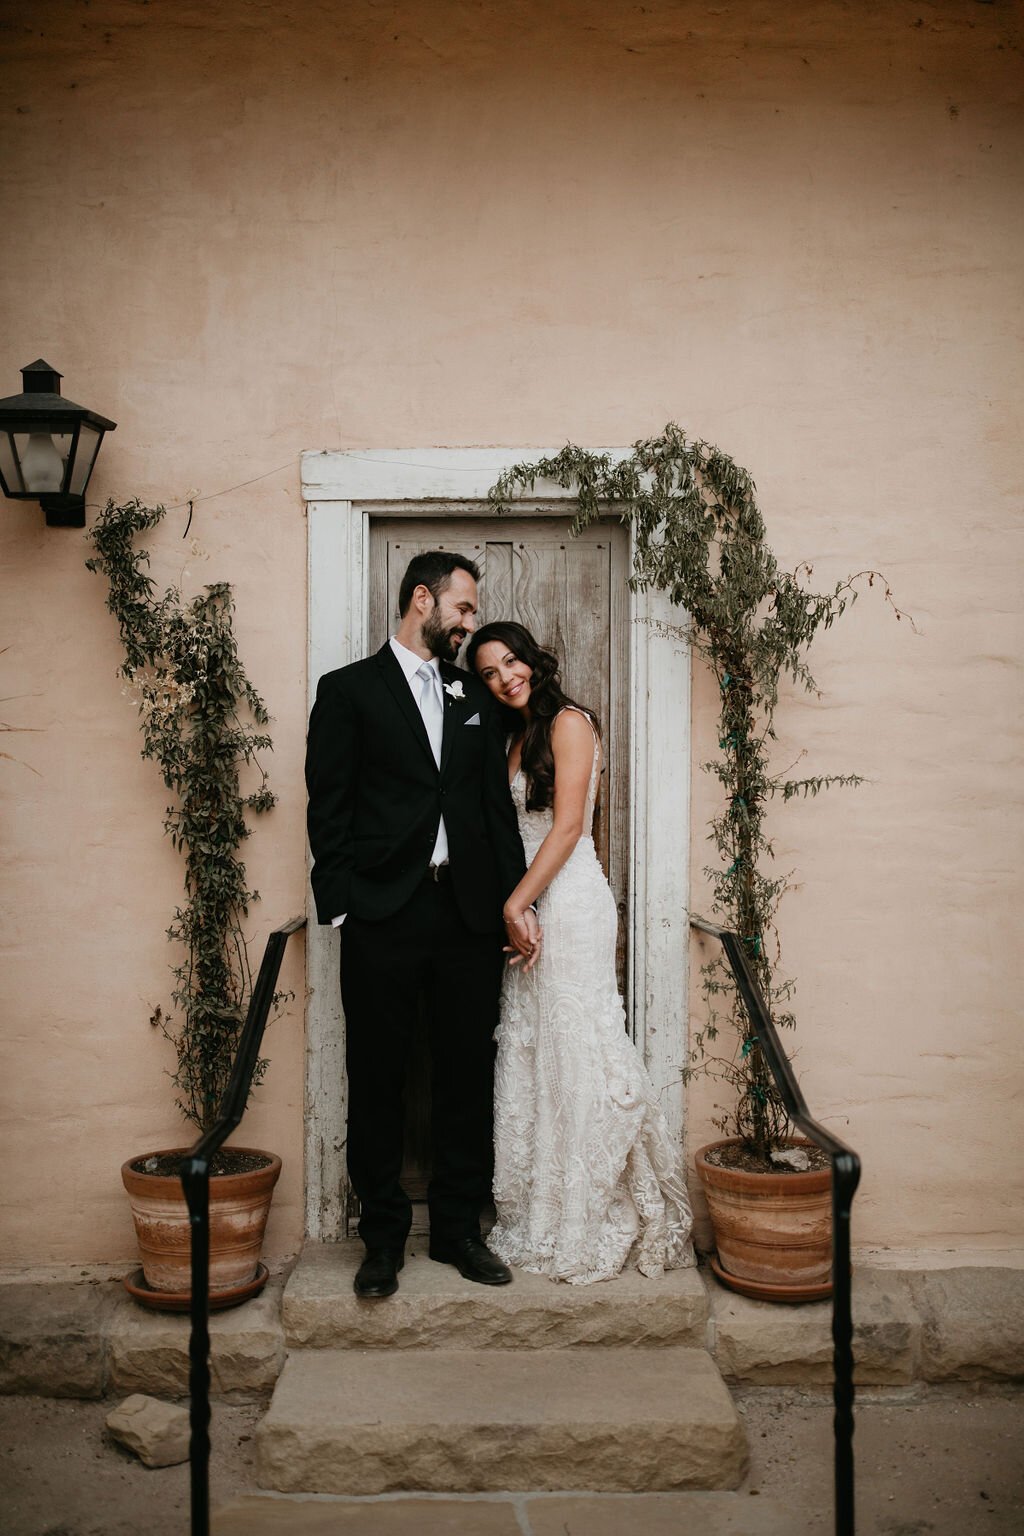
[[250, 229]]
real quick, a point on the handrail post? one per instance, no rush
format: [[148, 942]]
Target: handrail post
[[845, 1178], [194, 1173], [195, 1177]]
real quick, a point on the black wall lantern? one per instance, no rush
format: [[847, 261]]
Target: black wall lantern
[[48, 446]]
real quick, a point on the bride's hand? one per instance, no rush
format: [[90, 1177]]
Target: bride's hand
[[536, 933], [525, 934], [517, 929]]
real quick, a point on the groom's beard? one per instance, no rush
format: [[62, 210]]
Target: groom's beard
[[443, 643]]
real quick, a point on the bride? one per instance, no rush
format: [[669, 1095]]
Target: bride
[[586, 1173]]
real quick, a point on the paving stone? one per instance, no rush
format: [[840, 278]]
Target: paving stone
[[574, 1514], [660, 1514], [772, 1342], [391, 1517], [157, 1432], [436, 1306], [370, 1421], [149, 1350], [972, 1323], [53, 1338]]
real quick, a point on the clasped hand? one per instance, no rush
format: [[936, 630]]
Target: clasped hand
[[525, 937]]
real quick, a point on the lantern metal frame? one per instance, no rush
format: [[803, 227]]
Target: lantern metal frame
[[75, 435]]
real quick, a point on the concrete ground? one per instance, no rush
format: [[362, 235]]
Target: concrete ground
[[939, 1461]]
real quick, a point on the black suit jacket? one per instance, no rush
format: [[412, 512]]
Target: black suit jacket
[[376, 795]]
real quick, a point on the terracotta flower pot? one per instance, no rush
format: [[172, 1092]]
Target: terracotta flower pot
[[239, 1206], [773, 1231]]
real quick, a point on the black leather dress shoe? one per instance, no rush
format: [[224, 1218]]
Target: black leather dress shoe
[[473, 1260], [377, 1275]]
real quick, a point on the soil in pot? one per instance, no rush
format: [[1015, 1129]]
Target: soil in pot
[[227, 1160], [733, 1154]]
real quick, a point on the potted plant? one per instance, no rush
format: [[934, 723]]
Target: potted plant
[[699, 537], [202, 723]]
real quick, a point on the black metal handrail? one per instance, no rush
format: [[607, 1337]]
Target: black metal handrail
[[845, 1178], [195, 1179]]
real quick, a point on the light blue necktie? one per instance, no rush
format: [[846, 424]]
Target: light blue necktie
[[432, 710], [431, 707]]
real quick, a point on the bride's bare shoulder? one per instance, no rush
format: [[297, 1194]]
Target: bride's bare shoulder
[[571, 728]]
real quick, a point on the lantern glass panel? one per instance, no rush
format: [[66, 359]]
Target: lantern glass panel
[[9, 470], [42, 457], [89, 440]]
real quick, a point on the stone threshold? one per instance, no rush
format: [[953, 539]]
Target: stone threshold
[[82, 1336]]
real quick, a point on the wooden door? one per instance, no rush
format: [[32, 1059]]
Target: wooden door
[[572, 596]]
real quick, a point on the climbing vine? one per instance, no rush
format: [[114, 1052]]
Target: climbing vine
[[201, 722], [700, 538]]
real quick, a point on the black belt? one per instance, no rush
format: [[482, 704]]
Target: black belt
[[437, 874]]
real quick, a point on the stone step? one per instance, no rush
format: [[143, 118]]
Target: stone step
[[438, 1421], [90, 1339], [436, 1308]]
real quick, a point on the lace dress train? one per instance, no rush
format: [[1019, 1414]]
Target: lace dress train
[[587, 1176]]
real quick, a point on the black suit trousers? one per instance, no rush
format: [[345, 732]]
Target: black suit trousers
[[423, 950]]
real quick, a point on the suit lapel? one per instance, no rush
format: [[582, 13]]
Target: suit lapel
[[402, 694], [454, 710]]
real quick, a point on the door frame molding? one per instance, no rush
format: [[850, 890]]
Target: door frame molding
[[342, 492]]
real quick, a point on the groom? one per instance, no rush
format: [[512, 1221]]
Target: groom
[[415, 848]]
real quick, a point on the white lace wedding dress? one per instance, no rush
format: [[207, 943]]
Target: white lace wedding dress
[[586, 1175]]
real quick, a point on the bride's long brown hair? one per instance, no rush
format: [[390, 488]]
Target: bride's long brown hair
[[547, 697]]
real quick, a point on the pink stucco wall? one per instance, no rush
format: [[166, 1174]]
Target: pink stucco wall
[[246, 230]]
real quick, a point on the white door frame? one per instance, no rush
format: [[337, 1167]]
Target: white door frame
[[342, 492]]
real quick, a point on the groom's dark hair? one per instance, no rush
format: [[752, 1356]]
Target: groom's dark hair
[[433, 569]]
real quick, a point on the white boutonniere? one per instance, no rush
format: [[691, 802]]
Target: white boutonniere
[[455, 690]]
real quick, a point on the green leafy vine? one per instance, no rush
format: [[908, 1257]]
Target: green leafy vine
[[700, 538], [201, 722]]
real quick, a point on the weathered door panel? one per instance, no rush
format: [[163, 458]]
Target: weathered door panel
[[571, 594]]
